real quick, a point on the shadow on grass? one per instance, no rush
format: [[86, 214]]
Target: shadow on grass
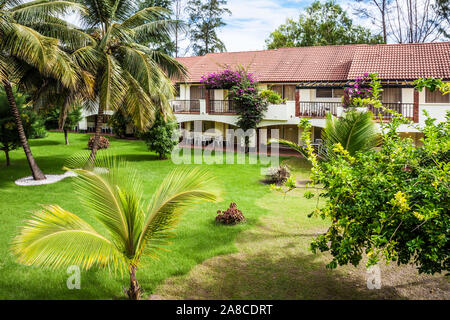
[[263, 276]]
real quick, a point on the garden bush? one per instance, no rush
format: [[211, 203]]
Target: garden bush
[[231, 216], [160, 137], [272, 97], [391, 204], [278, 175], [103, 142]]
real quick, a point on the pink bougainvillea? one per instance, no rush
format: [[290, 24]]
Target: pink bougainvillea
[[226, 79], [360, 88]]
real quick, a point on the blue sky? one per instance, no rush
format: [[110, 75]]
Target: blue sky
[[252, 21]]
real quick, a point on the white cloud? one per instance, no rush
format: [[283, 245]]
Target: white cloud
[[252, 21]]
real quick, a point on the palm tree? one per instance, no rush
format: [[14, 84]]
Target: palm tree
[[127, 75], [355, 131], [23, 47], [55, 237]]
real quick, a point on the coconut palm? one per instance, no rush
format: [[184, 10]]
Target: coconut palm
[[127, 75], [22, 47], [54, 237]]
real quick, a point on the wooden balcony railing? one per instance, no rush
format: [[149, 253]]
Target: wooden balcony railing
[[318, 109], [186, 106], [222, 107], [405, 109]]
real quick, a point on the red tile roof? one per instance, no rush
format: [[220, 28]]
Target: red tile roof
[[403, 61], [330, 63]]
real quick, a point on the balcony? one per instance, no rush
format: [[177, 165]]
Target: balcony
[[318, 109], [222, 107], [405, 109], [186, 106]]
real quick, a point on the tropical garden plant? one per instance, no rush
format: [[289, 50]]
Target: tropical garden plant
[[390, 204], [243, 91], [9, 136], [126, 74], [23, 49], [162, 136], [132, 224], [71, 120]]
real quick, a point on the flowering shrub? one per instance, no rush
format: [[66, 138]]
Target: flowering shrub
[[360, 88], [249, 104], [226, 79], [390, 204]]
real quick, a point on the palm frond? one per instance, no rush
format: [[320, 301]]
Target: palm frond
[[145, 15], [179, 190], [355, 131], [114, 196], [40, 10], [113, 87], [289, 144], [54, 238]]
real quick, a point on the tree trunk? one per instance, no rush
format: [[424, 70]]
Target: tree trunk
[[134, 293], [36, 172], [63, 113], [8, 161], [98, 130], [66, 137]]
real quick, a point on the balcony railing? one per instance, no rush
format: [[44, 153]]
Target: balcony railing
[[186, 106], [318, 109], [405, 109], [222, 107]]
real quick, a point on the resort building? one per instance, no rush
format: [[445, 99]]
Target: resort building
[[311, 79]]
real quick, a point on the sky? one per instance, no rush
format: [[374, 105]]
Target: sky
[[252, 21]]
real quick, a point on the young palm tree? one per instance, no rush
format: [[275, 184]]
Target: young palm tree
[[355, 131], [55, 237], [127, 75], [22, 46]]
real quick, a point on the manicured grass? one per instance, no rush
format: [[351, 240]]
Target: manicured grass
[[198, 237], [266, 258]]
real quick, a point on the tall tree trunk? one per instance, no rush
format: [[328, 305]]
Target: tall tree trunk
[[134, 293], [8, 161], [98, 130], [66, 137], [63, 113], [36, 172]]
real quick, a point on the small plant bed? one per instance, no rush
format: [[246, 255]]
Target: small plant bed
[[277, 175], [231, 216], [103, 142]]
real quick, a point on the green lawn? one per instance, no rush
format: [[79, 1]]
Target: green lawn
[[198, 237], [266, 258]]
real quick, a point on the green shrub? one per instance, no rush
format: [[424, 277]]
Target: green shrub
[[272, 97], [33, 125], [160, 137], [119, 123]]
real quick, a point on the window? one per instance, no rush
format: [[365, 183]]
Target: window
[[436, 97], [391, 95], [285, 91], [198, 92], [289, 93], [338, 92], [177, 91], [324, 93], [329, 92]]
